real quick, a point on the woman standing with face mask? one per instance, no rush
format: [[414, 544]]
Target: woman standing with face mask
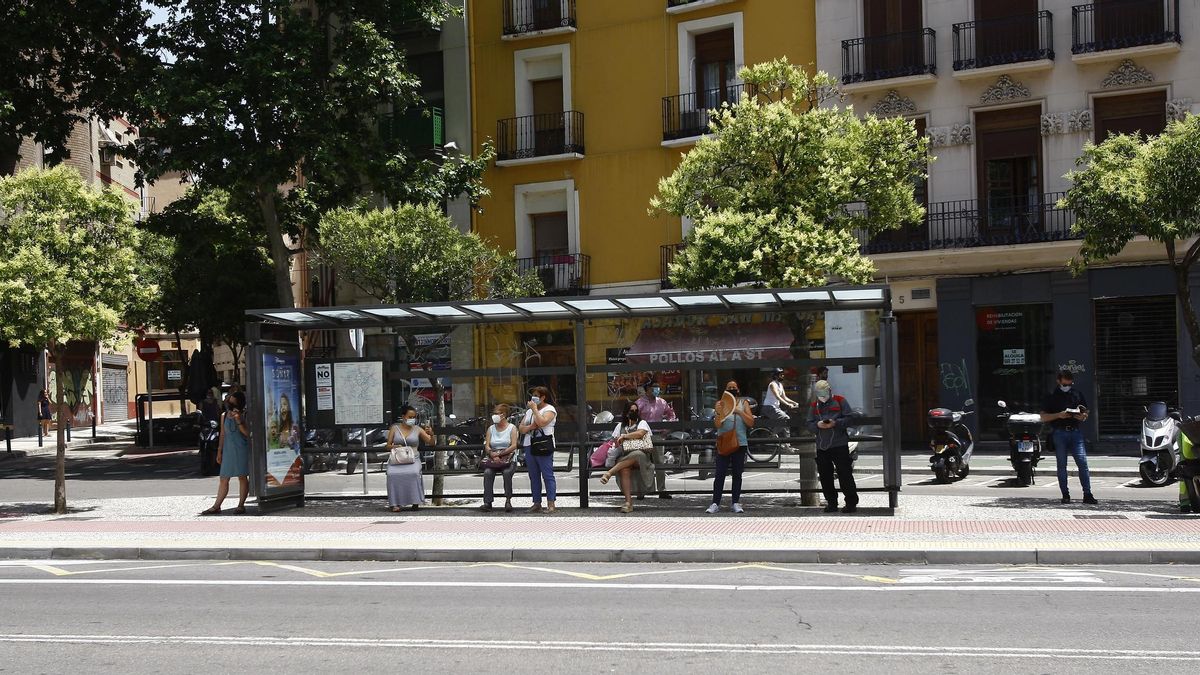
[[735, 417], [405, 485], [233, 454], [500, 454], [539, 416]]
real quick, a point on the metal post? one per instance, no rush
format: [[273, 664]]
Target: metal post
[[39, 433], [581, 410], [8, 438], [68, 429], [889, 362], [149, 407], [364, 460]]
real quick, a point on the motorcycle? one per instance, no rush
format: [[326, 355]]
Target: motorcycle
[[1024, 442], [952, 443], [704, 450], [320, 461], [375, 439], [210, 435], [1160, 444], [468, 432], [1189, 467]]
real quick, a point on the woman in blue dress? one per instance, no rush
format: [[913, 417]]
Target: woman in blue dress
[[233, 453]]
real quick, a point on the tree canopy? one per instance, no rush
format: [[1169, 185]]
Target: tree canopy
[[259, 94], [63, 62], [1128, 187], [67, 269], [779, 190]]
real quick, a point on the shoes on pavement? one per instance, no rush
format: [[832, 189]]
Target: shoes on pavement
[[485, 508], [214, 511], [850, 508], [550, 508], [641, 498], [1089, 499], [664, 495], [627, 508], [1185, 508], [737, 508], [241, 511], [713, 508], [536, 508], [1066, 499], [507, 506], [414, 507], [832, 508]]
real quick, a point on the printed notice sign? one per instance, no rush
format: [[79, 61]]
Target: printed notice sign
[[324, 382], [1014, 357], [358, 393]]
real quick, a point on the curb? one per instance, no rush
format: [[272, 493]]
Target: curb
[[777, 556]]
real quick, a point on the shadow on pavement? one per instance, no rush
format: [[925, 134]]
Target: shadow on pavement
[[1129, 505], [22, 509]]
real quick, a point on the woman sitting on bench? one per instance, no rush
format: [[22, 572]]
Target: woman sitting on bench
[[632, 435]]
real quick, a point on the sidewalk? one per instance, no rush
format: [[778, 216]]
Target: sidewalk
[[107, 437], [925, 530]]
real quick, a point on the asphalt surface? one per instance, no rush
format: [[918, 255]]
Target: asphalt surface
[[370, 617], [97, 474]]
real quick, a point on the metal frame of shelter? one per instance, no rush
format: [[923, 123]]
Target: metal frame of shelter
[[270, 326]]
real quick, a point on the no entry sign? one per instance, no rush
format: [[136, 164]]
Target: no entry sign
[[147, 349]]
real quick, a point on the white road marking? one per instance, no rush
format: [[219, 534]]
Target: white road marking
[[996, 576], [565, 645], [503, 585], [1133, 483], [989, 481]]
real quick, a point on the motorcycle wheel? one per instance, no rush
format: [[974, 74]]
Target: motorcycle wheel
[[306, 463], [963, 472], [352, 463], [940, 474], [1025, 474], [1153, 475]]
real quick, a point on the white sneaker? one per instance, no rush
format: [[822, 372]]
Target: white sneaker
[[713, 508], [737, 508]]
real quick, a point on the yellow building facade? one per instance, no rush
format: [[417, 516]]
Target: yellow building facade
[[572, 93]]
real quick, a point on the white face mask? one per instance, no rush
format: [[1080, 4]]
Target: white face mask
[[536, 400], [1064, 388], [823, 399], [496, 419], [410, 421]]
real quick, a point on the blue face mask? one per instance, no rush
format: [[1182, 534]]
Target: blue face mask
[[656, 391], [410, 421], [536, 400]]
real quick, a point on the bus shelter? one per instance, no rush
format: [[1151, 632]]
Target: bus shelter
[[455, 361]]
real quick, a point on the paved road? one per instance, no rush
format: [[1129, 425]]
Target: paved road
[[370, 617], [95, 476]]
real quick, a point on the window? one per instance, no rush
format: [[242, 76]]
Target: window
[[546, 216], [890, 18], [1014, 349], [550, 238], [539, 75], [1009, 157], [1144, 114], [715, 67], [710, 53]]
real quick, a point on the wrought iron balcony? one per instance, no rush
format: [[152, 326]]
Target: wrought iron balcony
[[688, 115], [539, 136], [561, 274], [533, 16], [888, 56], [1012, 39], [971, 223], [666, 256], [1121, 24]]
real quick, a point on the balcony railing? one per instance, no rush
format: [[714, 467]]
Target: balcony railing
[[666, 256], [1122, 24], [531, 16], [688, 115], [561, 274], [887, 56], [972, 223], [540, 135], [1012, 39]]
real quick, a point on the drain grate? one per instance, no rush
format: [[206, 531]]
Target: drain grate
[[1101, 516]]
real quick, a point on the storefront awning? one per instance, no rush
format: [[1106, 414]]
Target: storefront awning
[[711, 344]]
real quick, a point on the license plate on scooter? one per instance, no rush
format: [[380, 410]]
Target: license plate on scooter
[[1025, 446]]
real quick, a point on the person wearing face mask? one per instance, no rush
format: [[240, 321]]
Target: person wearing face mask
[[500, 454], [233, 454], [539, 414], [631, 428], [653, 409], [828, 417], [405, 484], [1065, 410], [733, 414]]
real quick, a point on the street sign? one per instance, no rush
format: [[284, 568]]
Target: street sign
[[147, 349], [174, 375]]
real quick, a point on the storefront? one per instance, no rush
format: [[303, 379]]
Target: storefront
[[1116, 329]]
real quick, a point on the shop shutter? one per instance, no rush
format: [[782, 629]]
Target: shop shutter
[[116, 394], [1136, 360]]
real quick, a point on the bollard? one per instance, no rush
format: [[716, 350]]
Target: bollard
[[68, 430], [39, 433], [8, 439]]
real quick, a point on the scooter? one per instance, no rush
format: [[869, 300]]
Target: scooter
[[1189, 467], [951, 442], [706, 434], [210, 435], [376, 448], [1024, 442], [1160, 444], [320, 461]]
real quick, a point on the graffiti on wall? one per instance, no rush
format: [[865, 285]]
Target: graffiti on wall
[[955, 381], [1073, 367]]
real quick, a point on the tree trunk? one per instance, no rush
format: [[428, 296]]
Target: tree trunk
[[281, 255], [439, 457], [1184, 293], [800, 323], [60, 457]]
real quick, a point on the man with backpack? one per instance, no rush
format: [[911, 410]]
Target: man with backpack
[[828, 419]]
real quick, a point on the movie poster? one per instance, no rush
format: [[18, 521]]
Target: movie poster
[[281, 409]]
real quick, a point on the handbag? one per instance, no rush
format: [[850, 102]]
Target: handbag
[[600, 454], [727, 443], [496, 464], [614, 454], [541, 444], [405, 454], [643, 443]]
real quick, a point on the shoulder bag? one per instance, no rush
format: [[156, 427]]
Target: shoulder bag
[[727, 441], [405, 454], [643, 443]]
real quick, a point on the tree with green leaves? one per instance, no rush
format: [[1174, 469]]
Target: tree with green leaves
[[67, 271], [210, 264], [413, 253], [251, 95], [1128, 187], [63, 63]]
